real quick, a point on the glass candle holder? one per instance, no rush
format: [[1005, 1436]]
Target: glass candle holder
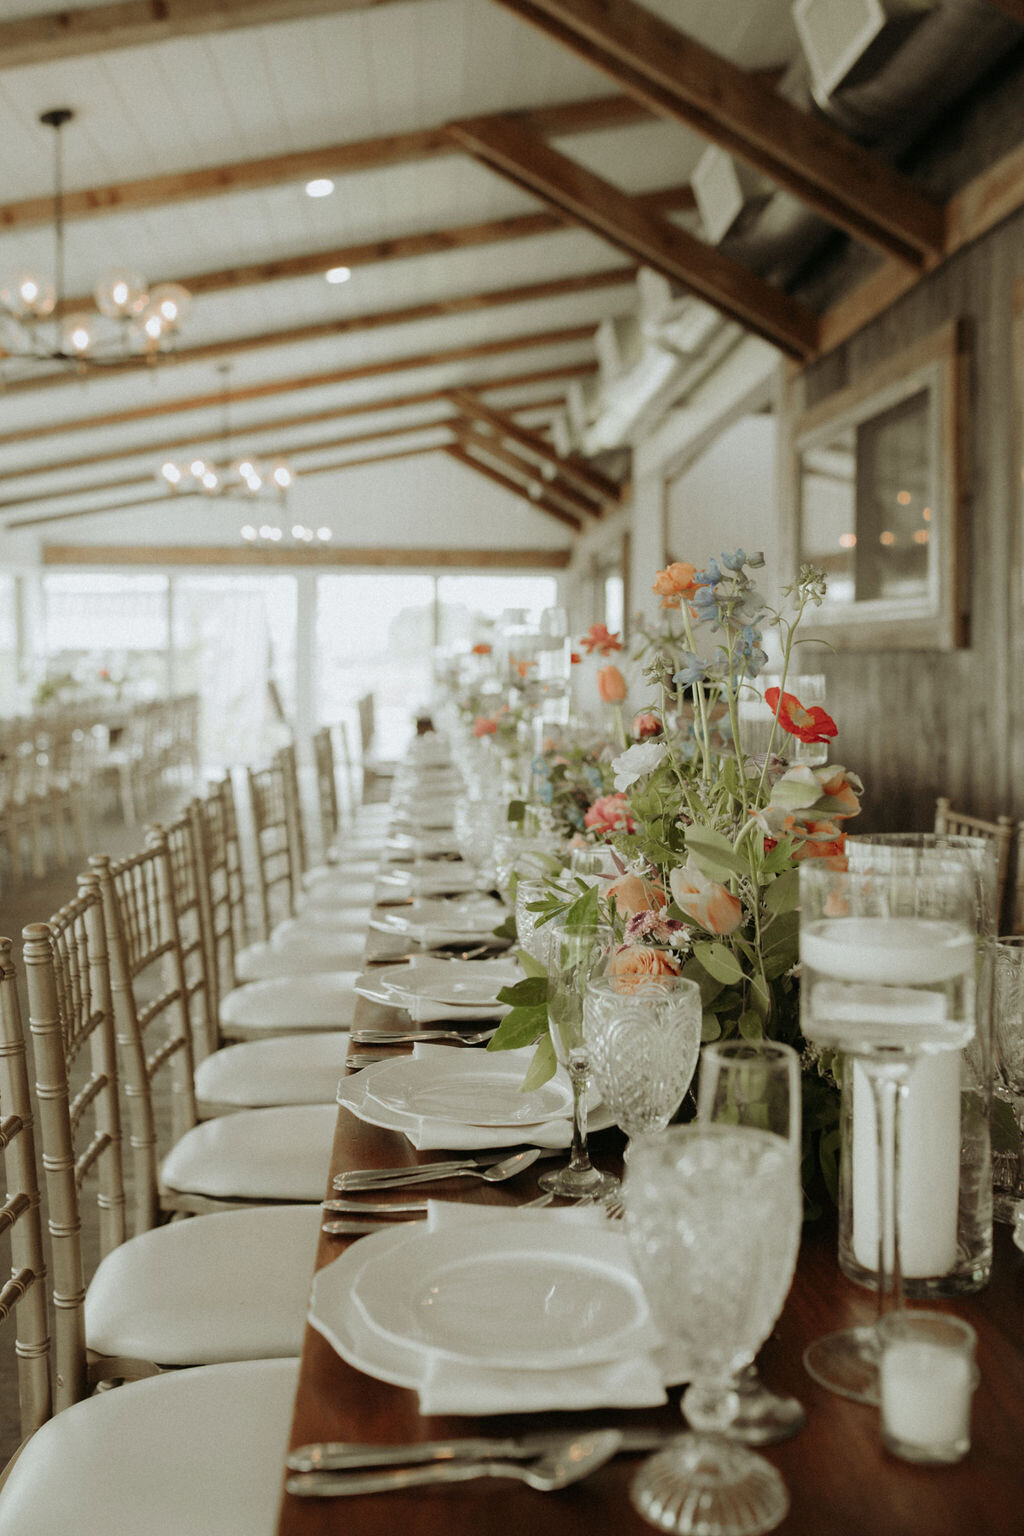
[[927, 1378]]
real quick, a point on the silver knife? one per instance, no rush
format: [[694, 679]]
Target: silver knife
[[357, 1178], [340, 1455], [346, 1227], [366, 1208]]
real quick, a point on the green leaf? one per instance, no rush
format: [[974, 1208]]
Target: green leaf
[[714, 854], [543, 1065], [528, 993], [516, 810], [507, 929], [719, 961], [710, 1029], [520, 1027], [760, 996], [584, 912], [531, 966], [783, 895], [709, 987], [750, 1025]]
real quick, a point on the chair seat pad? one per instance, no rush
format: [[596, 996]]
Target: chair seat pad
[[223, 1287], [295, 1069], [196, 1451], [324, 924], [338, 893], [314, 1000], [259, 1154], [316, 951]]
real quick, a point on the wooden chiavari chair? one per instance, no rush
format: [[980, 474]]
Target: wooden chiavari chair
[[340, 893], [256, 1156], [950, 823]]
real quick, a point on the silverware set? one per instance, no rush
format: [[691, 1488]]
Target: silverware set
[[481, 1165], [417, 1036]]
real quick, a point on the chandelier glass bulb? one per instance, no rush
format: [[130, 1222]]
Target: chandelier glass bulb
[[120, 294], [243, 477], [77, 334], [171, 302], [29, 296]]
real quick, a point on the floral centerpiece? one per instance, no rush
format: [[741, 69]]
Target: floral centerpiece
[[709, 838]]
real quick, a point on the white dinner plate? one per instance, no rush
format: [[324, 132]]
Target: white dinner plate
[[474, 984], [543, 1298], [469, 1088], [337, 1319], [433, 921], [445, 877]]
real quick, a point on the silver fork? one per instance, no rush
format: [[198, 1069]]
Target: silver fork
[[411, 1036]]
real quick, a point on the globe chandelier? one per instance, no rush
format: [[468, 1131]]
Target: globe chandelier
[[243, 478], [133, 321]]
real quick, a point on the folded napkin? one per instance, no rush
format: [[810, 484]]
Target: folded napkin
[[426, 1010], [453, 1386]]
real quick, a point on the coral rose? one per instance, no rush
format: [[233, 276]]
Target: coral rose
[[633, 964], [674, 582], [609, 814], [644, 726], [483, 725], [634, 894], [707, 902], [611, 685]]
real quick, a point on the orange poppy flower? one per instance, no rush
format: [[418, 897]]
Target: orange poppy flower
[[598, 639], [808, 725]]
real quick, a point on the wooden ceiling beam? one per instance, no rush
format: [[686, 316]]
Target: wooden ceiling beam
[[682, 80], [140, 23], [528, 469], [402, 556], [330, 160], [541, 503], [439, 358], [515, 152], [434, 309], [279, 424], [590, 481]]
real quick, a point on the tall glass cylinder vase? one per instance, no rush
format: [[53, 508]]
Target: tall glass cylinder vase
[[945, 1173]]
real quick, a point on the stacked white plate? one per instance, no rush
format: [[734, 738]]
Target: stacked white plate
[[433, 922], [491, 1313], [442, 877], [430, 988], [402, 847], [464, 1100]]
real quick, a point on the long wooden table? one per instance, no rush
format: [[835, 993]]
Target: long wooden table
[[841, 1482]]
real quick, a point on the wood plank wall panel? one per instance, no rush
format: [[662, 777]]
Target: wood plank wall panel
[[916, 725]]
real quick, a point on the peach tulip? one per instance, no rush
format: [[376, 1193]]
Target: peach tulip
[[705, 901], [611, 685], [634, 894]]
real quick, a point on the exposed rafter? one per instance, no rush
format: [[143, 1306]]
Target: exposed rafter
[[403, 555], [682, 80], [279, 424], [517, 153], [329, 160], [541, 503], [72, 34], [434, 309], [440, 357], [527, 469], [593, 484]]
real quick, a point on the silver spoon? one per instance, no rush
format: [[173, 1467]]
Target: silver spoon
[[567, 1463]]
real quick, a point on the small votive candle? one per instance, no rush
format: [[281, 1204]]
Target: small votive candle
[[927, 1377]]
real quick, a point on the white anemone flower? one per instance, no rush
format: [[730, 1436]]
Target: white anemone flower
[[637, 761]]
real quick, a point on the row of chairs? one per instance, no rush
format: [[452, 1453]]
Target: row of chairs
[[1009, 913], [60, 768], [140, 1011]]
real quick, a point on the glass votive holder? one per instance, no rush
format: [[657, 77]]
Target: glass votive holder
[[927, 1379]]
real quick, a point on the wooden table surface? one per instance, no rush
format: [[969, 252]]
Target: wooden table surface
[[841, 1482]]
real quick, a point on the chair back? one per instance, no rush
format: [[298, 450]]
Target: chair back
[[191, 913], [326, 791], [221, 888], [273, 837], [72, 1025], [150, 1001], [952, 823], [23, 1295], [286, 759]]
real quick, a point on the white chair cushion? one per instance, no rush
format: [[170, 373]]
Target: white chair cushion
[[193, 1453], [339, 894], [294, 1069], [224, 1287], [259, 1154], [315, 951], [317, 1000], [323, 923]]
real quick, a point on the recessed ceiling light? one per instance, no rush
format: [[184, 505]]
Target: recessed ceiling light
[[321, 186], [339, 274]]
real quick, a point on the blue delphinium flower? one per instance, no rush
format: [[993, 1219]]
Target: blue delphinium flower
[[694, 671], [735, 562], [709, 578]]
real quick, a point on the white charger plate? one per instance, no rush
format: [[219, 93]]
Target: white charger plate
[[468, 1088], [336, 1318], [544, 1298], [462, 919], [474, 984]]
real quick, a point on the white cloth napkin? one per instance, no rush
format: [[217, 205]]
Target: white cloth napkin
[[453, 1386], [426, 1010]]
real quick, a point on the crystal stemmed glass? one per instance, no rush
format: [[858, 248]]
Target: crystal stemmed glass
[[576, 956], [1009, 1023], [713, 1214], [755, 1083], [477, 823], [643, 1036], [887, 976], [531, 935]]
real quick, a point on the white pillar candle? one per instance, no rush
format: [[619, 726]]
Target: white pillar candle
[[929, 1182], [926, 1385]]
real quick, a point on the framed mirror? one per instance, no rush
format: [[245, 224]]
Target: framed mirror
[[880, 486]]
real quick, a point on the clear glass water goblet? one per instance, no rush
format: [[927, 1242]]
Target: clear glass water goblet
[[532, 935], [887, 957], [643, 1037], [477, 824], [713, 1214], [755, 1083], [576, 956], [1009, 1028]]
